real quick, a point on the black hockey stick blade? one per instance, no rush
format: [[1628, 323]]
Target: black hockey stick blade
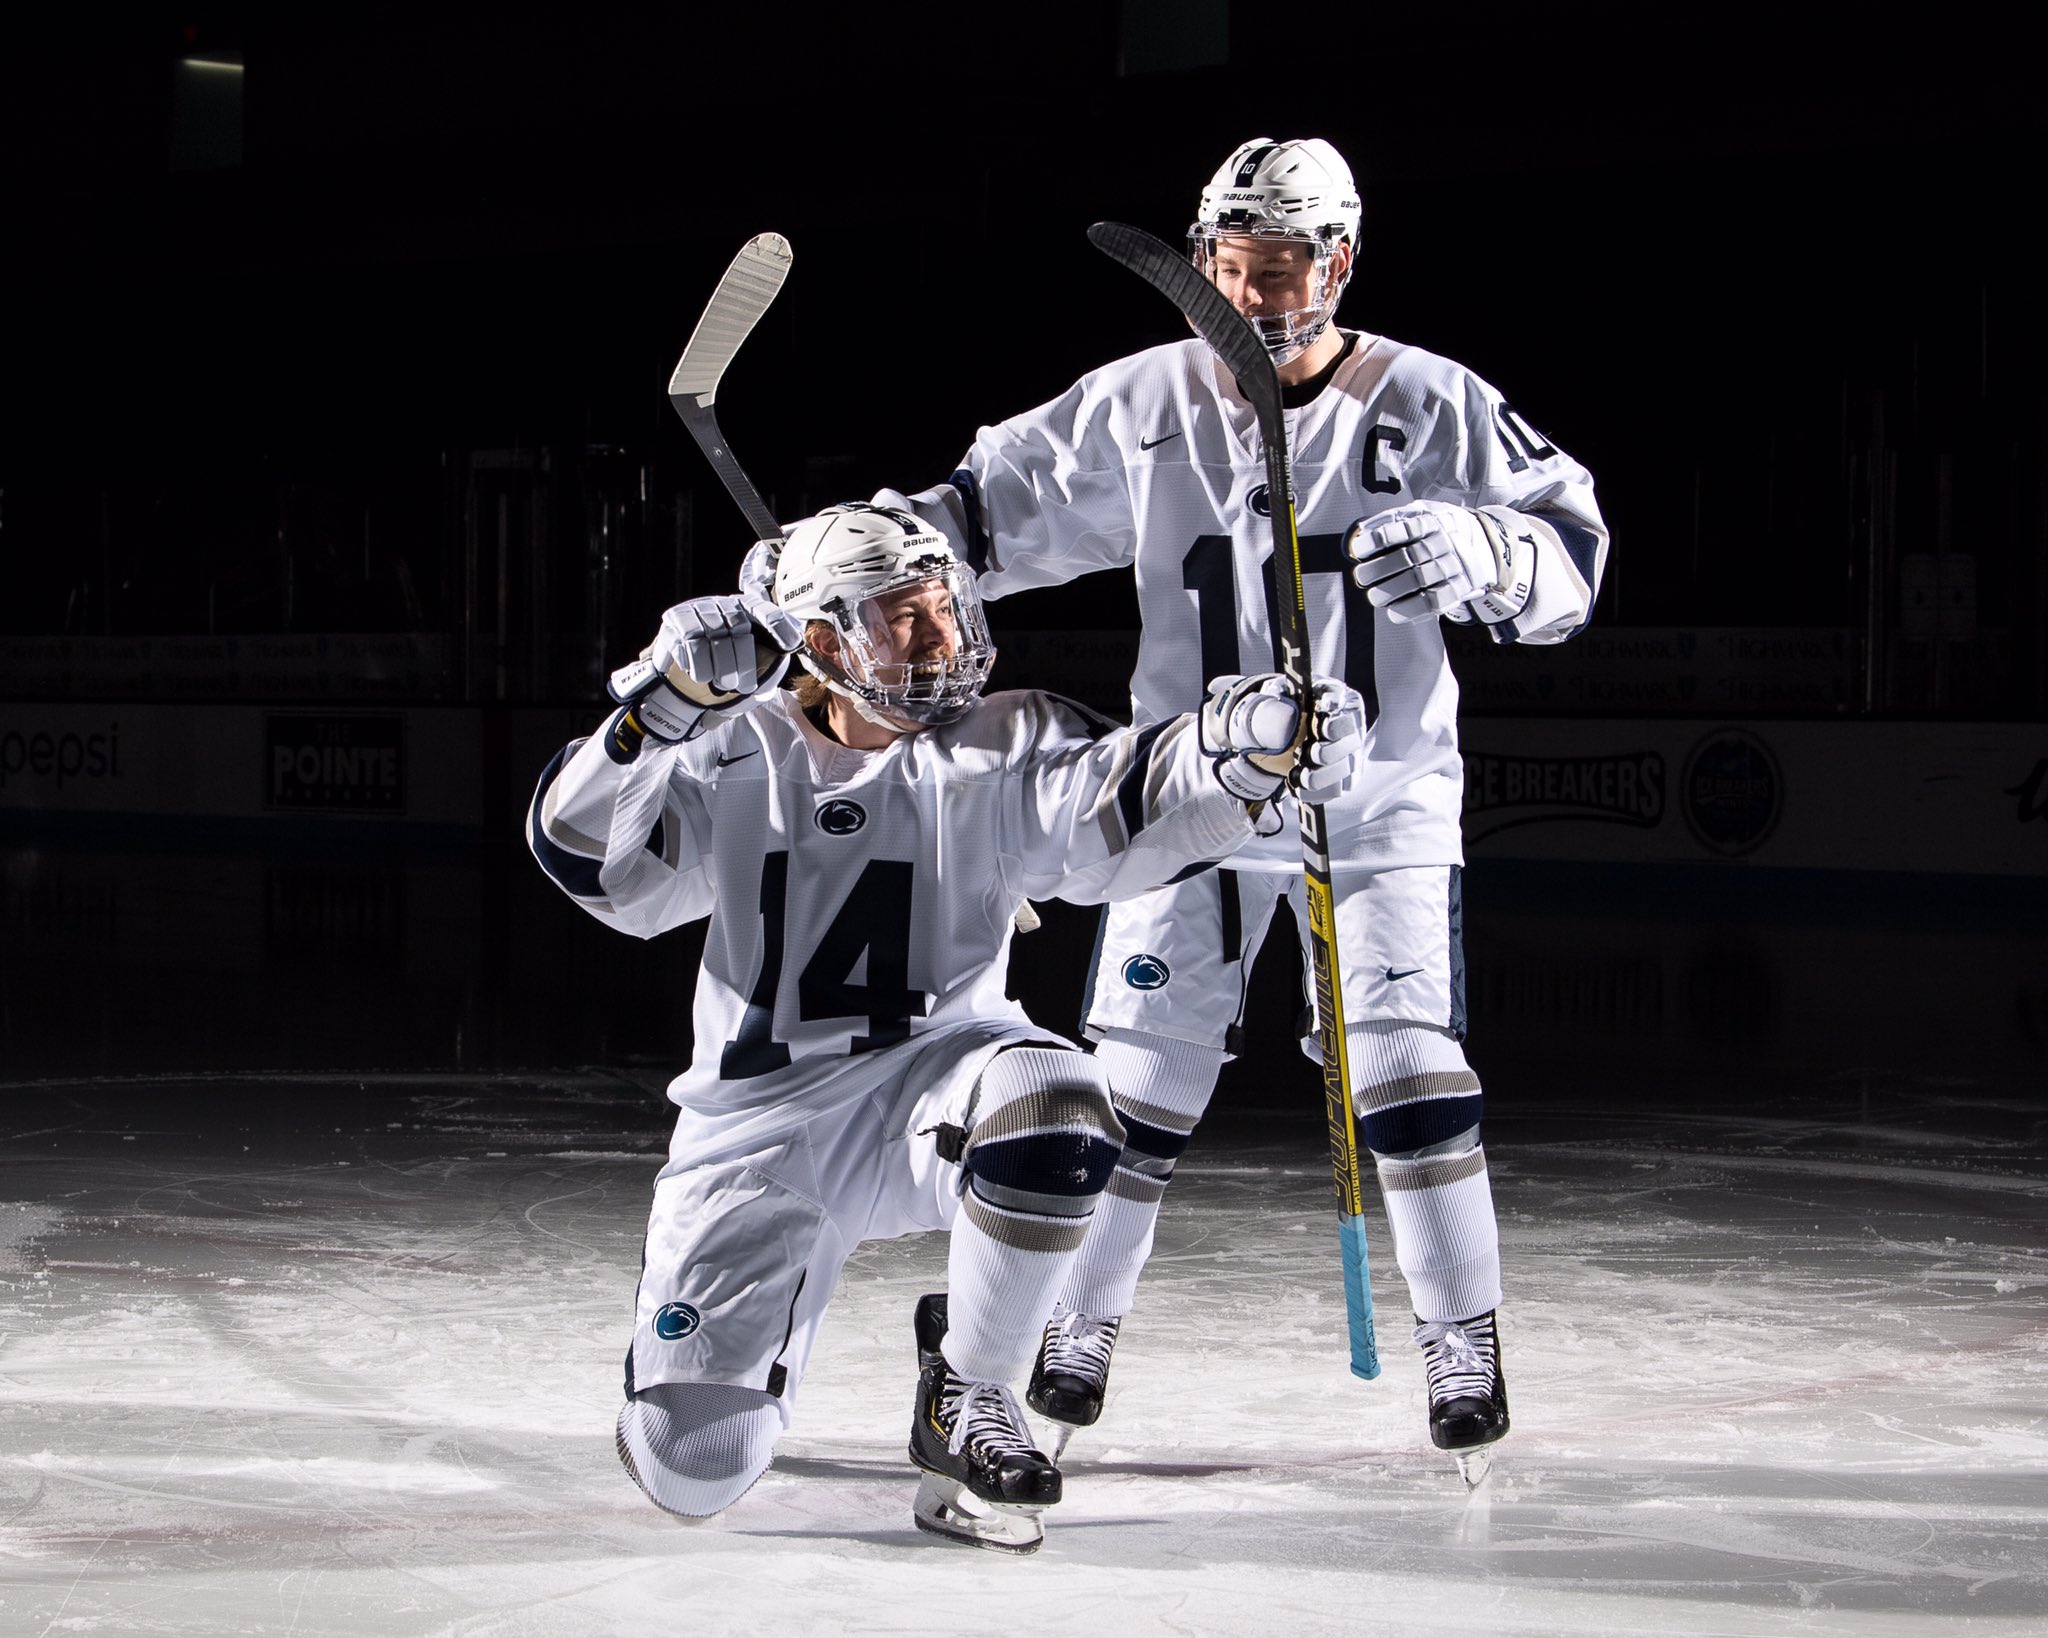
[[743, 295], [1176, 278]]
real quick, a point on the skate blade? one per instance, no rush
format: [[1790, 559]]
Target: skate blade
[[1474, 1465], [1061, 1433], [948, 1509]]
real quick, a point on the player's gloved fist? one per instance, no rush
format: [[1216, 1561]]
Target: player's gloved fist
[[1431, 558], [712, 654], [1249, 728], [1329, 757]]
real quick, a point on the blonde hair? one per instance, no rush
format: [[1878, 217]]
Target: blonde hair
[[811, 692]]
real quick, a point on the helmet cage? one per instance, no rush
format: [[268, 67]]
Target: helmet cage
[[1291, 333], [923, 693]]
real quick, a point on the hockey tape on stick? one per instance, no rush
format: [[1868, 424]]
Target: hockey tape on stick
[[1219, 324], [736, 306]]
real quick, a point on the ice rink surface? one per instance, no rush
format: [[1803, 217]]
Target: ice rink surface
[[301, 1356]]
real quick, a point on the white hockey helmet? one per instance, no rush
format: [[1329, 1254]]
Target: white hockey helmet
[[836, 567], [1298, 190]]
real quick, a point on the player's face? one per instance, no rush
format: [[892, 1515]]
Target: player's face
[[913, 623], [1264, 275]]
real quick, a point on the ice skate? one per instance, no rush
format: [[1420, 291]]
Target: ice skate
[[1468, 1390], [984, 1482], [1072, 1371]]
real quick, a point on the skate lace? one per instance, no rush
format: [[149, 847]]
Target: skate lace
[[1458, 1357], [985, 1415], [1079, 1345]]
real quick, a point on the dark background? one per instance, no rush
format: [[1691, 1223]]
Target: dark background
[[276, 334]]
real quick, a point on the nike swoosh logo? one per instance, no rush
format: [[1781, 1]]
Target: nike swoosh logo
[[728, 761], [1154, 443], [1394, 977]]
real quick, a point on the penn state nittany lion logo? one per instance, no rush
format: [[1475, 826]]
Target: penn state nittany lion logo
[[676, 1321], [840, 817], [1260, 501], [1146, 972]]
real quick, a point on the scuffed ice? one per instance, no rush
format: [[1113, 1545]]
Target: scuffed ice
[[343, 1358]]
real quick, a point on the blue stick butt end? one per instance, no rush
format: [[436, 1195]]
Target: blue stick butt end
[[1365, 1354]]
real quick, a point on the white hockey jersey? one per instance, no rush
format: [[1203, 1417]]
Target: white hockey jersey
[[1154, 461], [863, 898]]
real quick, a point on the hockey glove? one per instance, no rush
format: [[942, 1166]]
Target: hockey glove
[[714, 658], [1248, 729], [1432, 558]]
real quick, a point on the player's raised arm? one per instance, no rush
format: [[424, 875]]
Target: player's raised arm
[[618, 820], [1041, 498], [1112, 813]]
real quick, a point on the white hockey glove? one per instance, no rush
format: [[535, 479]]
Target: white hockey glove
[[1248, 729], [1432, 558], [714, 658], [757, 570]]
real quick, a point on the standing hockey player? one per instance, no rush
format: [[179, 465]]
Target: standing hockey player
[[1421, 494], [861, 845]]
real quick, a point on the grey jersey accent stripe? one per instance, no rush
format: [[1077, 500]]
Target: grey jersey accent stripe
[[1024, 1233], [1402, 1175], [1057, 1108], [1152, 1114], [564, 834], [1435, 1083], [1128, 1185], [1010, 1198]]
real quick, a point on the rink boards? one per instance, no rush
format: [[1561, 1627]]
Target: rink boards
[[1968, 798]]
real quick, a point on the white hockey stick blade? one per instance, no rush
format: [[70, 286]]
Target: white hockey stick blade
[[736, 306], [948, 1509]]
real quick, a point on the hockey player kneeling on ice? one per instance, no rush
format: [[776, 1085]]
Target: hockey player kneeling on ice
[[861, 844]]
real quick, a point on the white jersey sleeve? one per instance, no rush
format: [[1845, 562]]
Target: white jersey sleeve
[[621, 835], [862, 899], [1108, 813], [1475, 449], [1035, 503], [1040, 499]]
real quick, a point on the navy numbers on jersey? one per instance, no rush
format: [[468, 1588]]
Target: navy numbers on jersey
[[755, 1051], [874, 918], [1208, 571], [1522, 441]]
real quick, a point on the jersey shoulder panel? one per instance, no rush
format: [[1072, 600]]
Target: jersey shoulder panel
[[1173, 360], [1415, 375], [1114, 408], [1007, 729]]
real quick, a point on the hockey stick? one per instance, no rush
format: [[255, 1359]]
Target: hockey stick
[[750, 284], [1205, 307], [736, 306]]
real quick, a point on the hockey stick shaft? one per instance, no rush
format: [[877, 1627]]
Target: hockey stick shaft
[[1244, 354]]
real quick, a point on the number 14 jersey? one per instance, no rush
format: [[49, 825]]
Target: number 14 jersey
[[861, 899]]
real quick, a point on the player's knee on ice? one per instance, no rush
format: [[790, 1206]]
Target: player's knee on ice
[[696, 1447], [1045, 1138]]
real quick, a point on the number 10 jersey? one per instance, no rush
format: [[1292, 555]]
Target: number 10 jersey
[[1154, 461]]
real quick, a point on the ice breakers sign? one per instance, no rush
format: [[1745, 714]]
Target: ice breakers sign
[[334, 763], [1501, 792]]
